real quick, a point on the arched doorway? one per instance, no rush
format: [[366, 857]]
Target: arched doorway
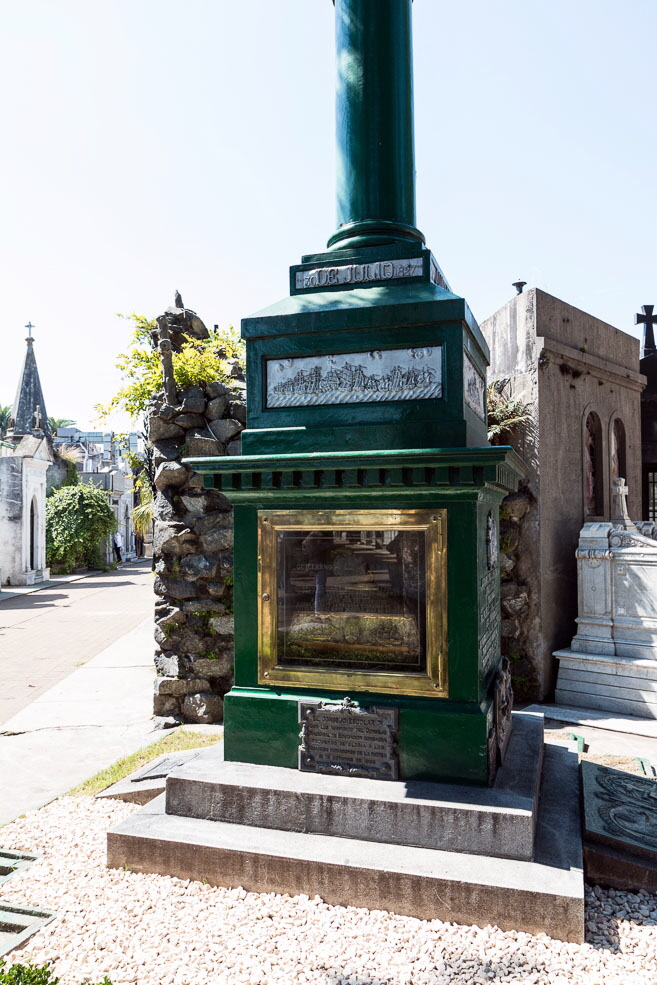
[[34, 535]]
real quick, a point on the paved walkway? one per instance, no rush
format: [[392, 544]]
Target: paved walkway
[[77, 668], [46, 634]]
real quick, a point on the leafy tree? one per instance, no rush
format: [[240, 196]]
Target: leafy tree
[[59, 422], [5, 414], [199, 361], [78, 520]]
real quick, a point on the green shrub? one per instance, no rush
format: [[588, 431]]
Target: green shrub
[[78, 519], [31, 974]]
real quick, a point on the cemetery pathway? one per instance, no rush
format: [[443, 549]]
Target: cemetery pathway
[[45, 635], [76, 661]]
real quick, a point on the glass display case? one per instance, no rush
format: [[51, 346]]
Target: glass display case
[[353, 599]]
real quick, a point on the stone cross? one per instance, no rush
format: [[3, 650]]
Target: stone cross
[[37, 417], [649, 321], [619, 515], [29, 328]]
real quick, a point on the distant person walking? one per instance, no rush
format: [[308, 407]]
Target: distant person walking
[[118, 547]]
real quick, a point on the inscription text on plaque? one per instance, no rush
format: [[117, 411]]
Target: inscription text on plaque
[[344, 739]]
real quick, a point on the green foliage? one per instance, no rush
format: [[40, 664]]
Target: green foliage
[[78, 519], [31, 974], [59, 422], [506, 414], [198, 362], [5, 414]]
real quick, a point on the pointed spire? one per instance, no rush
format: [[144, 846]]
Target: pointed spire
[[28, 415]]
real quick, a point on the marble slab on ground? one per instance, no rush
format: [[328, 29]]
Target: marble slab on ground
[[149, 781], [620, 827], [543, 895]]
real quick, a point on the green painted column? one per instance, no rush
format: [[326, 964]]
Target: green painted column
[[374, 121]]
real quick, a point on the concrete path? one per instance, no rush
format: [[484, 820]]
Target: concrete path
[[84, 652]]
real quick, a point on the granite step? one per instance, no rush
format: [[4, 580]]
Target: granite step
[[450, 817]]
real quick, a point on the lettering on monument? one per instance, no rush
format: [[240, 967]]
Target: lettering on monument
[[489, 621], [355, 377], [474, 387], [345, 739], [358, 273]]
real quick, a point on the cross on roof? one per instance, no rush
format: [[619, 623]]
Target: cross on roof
[[649, 320], [29, 328]]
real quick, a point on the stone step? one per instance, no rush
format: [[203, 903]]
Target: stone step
[[585, 698], [620, 666], [628, 687], [500, 820], [543, 896]]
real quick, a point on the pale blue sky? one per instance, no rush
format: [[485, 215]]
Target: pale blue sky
[[150, 145]]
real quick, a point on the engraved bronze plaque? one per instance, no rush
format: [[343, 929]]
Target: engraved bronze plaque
[[344, 739], [353, 600]]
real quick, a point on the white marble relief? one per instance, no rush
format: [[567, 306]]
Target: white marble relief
[[355, 377], [474, 387]]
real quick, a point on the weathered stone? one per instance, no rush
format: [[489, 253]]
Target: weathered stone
[[516, 606], [225, 430], [195, 503], [509, 537], [217, 540], [217, 589], [224, 625], [202, 606], [216, 389], [234, 447], [516, 505], [189, 641], [175, 686], [507, 564], [193, 400], [179, 544], [159, 429], [201, 446], [165, 451], [190, 421], [238, 412], [197, 566], [166, 412], [211, 521], [217, 501], [216, 408], [163, 509], [226, 564], [170, 616], [176, 588], [166, 531], [161, 722], [170, 665], [164, 704], [221, 666], [170, 475], [203, 709], [509, 627], [195, 481]]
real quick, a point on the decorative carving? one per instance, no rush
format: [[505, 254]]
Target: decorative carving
[[345, 739], [593, 558], [503, 707], [474, 387], [619, 515], [629, 807], [492, 541], [350, 377]]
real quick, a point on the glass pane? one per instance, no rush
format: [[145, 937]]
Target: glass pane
[[351, 599]]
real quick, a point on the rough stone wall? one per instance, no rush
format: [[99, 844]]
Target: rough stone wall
[[520, 592], [192, 551]]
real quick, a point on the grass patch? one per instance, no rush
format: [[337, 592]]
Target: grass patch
[[176, 741]]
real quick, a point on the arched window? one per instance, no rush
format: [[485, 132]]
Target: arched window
[[617, 462], [593, 479]]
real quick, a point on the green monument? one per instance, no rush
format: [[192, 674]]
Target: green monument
[[366, 500]]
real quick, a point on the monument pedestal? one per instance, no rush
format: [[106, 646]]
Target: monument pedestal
[[508, 855]]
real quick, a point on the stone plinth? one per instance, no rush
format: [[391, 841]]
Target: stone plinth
[[420, 849], [612, 661]]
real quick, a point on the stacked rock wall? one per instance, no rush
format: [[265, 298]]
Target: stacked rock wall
[[519, 591], [192, 551]]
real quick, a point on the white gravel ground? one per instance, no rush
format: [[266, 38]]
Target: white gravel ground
[[154, 930]]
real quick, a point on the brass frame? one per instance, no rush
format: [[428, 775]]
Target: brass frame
[[430, 683]]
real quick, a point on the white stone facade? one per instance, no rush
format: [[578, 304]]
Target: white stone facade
[[611, 664], [23, 513]]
